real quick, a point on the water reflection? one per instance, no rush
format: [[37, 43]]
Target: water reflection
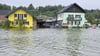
[[50, 42], [74, 40]]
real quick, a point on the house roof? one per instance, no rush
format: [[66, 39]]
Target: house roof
[[71, 7], [22, 9], [4, 12]]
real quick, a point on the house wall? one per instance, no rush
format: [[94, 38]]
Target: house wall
[[65, 15], [29, 18]]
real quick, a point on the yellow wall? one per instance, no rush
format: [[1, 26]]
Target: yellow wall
[[29, 18]]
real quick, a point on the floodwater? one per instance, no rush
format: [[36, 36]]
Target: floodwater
[[50, 42]]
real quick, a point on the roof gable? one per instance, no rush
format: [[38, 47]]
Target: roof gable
[[73, 8], [22, 9]]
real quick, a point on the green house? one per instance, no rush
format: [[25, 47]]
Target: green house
[[72, 15]]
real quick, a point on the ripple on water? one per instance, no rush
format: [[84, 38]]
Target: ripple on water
[[50, 42]]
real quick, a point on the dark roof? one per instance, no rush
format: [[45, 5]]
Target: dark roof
[[4, 12], [72, 8], [22, 9]]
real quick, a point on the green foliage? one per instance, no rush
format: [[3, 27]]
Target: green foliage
[[13, 7], [30, 7], [6, 24], [49, 10], [1, 25], [4, 6], [92, 15]]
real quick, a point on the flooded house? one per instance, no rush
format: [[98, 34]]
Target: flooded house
[[72, 15], [3, 14], [22, 17]]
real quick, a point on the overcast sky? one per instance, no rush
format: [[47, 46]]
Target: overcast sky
[[86, 4]]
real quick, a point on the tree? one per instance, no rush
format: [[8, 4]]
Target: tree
[[30, 7]]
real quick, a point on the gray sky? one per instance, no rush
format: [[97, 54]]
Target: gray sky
[[86, 4]]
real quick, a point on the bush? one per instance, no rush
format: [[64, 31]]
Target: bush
[[1, 25], [4, 24]]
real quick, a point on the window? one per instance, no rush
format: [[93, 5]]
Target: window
[[70, 17], [20, 16], [70, 22], [25, 15], [14, 22], [77, 22], [26, 22], [15, 15], [78, 17]]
